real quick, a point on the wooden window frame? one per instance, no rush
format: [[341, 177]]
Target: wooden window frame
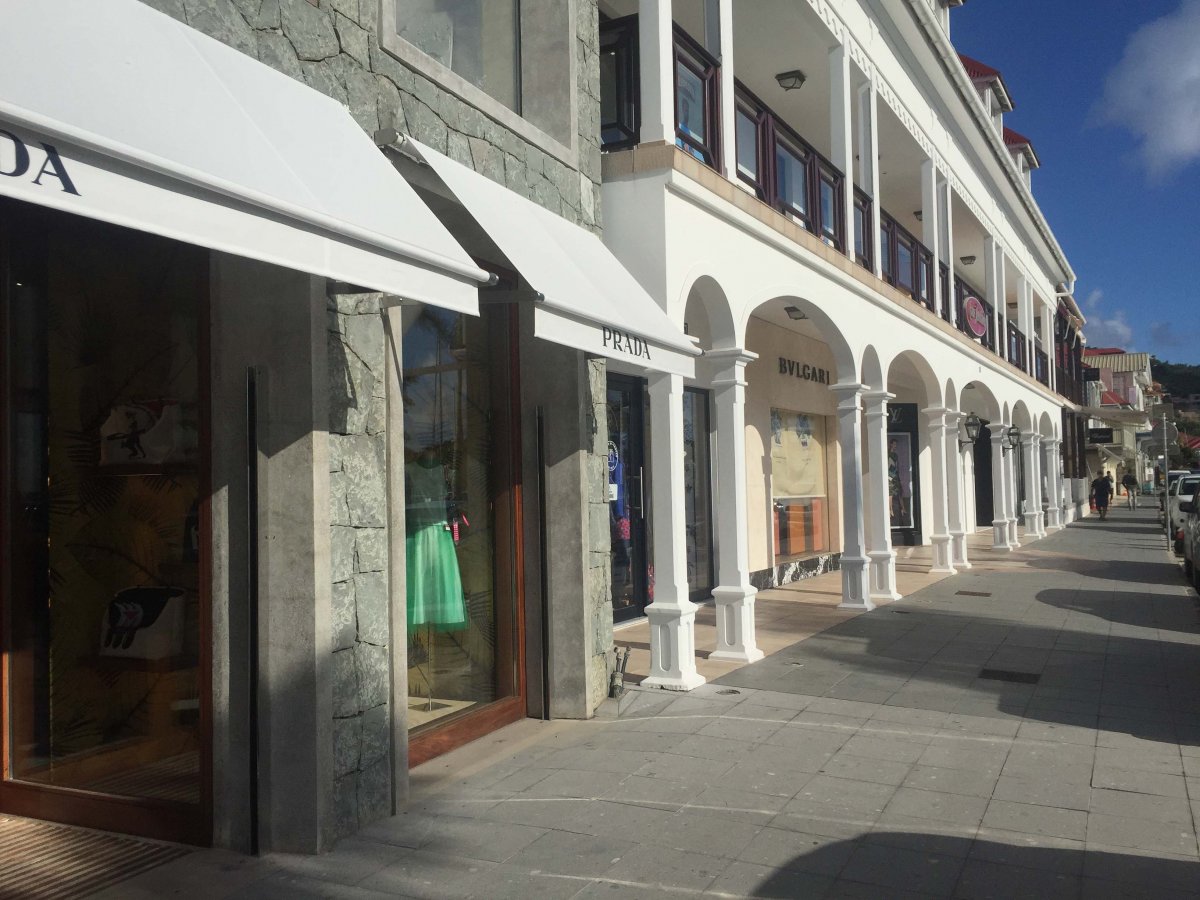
[[620, 37], [692, 56]]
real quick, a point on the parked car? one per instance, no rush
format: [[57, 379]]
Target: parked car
[[1189, 512], [1183, 489]]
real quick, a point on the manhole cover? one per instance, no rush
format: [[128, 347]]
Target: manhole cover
[[728, 691], [1006, 675], [972, 593]]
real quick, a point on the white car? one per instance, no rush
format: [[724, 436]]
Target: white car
[[1183, 489]]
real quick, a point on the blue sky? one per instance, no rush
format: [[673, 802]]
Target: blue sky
[[1109, 93]]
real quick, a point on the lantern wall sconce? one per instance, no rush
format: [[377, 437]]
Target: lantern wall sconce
[[972, 426]]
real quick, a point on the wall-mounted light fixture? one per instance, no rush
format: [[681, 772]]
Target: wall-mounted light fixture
[[972, 425], [967, 260], [1013, 439], [918, 215], [795, 313], [791, 80]]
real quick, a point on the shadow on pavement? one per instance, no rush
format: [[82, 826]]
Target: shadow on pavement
[[898, 864]]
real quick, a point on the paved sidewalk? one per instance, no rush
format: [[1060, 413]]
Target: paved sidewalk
[[1029, 728]]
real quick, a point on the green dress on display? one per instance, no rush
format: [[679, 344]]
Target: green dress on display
[[435, 591]]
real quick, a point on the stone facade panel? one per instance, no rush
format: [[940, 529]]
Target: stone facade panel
[[345, 684], [309, 29], [374, 675], [371, 604], [345, 619]]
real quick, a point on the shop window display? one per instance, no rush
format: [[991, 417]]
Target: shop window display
[[457, 634], [798, 488]]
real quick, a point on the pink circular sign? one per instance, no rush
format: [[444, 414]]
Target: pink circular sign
[[976, 316]]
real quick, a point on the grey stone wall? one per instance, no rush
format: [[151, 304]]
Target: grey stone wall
[[359, 552], [331, 45], [598, 578]]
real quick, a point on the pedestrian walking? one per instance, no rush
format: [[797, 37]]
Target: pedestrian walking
[[1102, 489], [1130, 483]]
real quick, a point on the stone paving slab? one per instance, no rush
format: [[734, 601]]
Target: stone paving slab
[[875, 758]]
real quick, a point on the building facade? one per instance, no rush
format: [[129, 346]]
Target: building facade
[[334, 436]]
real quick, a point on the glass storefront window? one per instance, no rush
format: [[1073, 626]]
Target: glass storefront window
[[102, 581], [798, 486], [461, 634]]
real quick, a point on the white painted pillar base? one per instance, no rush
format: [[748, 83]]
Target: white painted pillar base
[[941, 555], [673, 647], [883, 575], [856, 589], [734, 609], [672, 615]]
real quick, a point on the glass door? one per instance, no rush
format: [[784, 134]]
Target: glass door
[[102, 596], [632, 582]]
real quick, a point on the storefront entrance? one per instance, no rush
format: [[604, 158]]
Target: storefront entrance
[[904, 474], [462, 562], [632, 580], [104, 601]]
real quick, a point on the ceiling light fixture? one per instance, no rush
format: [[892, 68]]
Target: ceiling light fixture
[[918, 215], [795, 313], [967, 260], [791, 80]]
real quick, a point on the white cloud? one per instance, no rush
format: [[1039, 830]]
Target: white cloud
[[1154, 91], [1105, 331]]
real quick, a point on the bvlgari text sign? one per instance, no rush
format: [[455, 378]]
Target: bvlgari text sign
[[803, 371], [18, 160], [624, 342]]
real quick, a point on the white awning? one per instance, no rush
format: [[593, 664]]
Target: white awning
[[591, 302], [117, 112]]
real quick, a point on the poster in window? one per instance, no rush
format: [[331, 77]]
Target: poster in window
[[797, 454], [900, 479]]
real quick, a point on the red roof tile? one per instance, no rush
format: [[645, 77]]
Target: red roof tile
[[1015, 138], [1101, 351], [977, 70]]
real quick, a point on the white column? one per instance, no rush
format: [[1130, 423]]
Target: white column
[[841, 114], [1039, 491], [999, 487], [723, 14], [1024, 320], [935, 419], [879, 524], [1032, 506], [931, 229], [955, 491], [656, 71], [1054, 511], [946, 220], [733, 596], [856, 593], [967, 454], [868, 153], [1010, 481], [672, 615]]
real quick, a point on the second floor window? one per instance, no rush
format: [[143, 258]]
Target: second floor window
[[696, 120]]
